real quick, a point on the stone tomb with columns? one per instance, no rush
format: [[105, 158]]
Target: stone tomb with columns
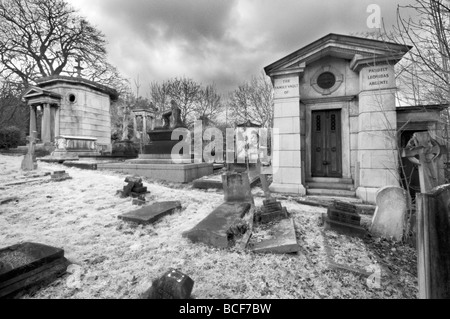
[[72, 111], [336, 117], [159, 158]]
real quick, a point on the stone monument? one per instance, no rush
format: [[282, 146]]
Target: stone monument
[[29, 162], [159, 158]]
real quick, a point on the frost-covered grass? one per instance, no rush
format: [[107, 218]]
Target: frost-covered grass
[[120, 260]]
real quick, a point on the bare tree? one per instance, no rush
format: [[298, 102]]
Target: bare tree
[[186, 92], [40, 38], [253, 100], [209, 105], [160, 95]]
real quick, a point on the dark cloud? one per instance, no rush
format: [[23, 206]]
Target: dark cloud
[[219, 41], [191, 20]]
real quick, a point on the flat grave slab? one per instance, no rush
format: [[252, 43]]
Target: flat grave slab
[[343, 228], [282, 241], [82, 165], [228, 225], [29, 265], [152, 213]]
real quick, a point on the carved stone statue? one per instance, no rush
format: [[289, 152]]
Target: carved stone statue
[[172, 119]]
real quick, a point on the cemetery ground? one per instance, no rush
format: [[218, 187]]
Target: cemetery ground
[[118, 259]]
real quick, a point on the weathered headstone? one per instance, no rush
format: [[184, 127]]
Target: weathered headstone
[[429, 162], [236, 186], [433, 243], [224, 227], [134, 188], [231, 223], [59, 176], [28, 266], [343, 217], [271, 210], [29, 161], [172, 285], [152, 213], [389, 218]]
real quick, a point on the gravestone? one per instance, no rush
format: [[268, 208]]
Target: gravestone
[[236, 186], [389, 218], [59, 176], [152, 213], [271, 210], [283, 239], [433, 243], [429, 161], [172, 285], [231, 223], [28, 266], [133, 188], [343, 217], [29, 161], [224, 226]]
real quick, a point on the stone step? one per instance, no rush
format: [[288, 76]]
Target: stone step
[[342, 186], [330, 192], [329, 180]]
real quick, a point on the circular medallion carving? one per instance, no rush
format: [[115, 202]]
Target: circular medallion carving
[[326, 80]]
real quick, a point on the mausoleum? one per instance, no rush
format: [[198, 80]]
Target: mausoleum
[[335, 111], [72, 109]]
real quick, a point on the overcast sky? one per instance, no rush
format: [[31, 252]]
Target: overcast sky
[[218, 41]]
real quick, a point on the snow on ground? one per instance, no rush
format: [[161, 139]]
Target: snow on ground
[[116, 259]]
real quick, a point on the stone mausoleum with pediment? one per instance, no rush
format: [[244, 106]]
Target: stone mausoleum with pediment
[[336, 117], [74, 109]]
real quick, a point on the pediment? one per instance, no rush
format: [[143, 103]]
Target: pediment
[[34, 93], [350, 48]]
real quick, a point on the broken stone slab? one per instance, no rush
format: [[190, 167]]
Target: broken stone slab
[[344, 217], [138, 202], [8, 200], [389, 218], [28, 266], [81, 165], [228, 225], [152, 213], [343, 228], [140, 189], [283, 239], [133, 179], [58, 176], [172, 285]]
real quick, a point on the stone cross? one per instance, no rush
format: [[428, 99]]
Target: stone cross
[[78, 67], [29, 161], [429, 152]]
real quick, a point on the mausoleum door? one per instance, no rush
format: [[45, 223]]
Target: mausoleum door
[[326, 151]]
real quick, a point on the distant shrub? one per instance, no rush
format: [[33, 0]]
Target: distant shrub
[[10, 137]]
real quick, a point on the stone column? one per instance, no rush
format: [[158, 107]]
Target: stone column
[[134, 126], [32, 119], [144, 129], [57, 121], [46, 130], [288, 140], [377, 141]]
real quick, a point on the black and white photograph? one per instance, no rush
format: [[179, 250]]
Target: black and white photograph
[[224, 154]]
